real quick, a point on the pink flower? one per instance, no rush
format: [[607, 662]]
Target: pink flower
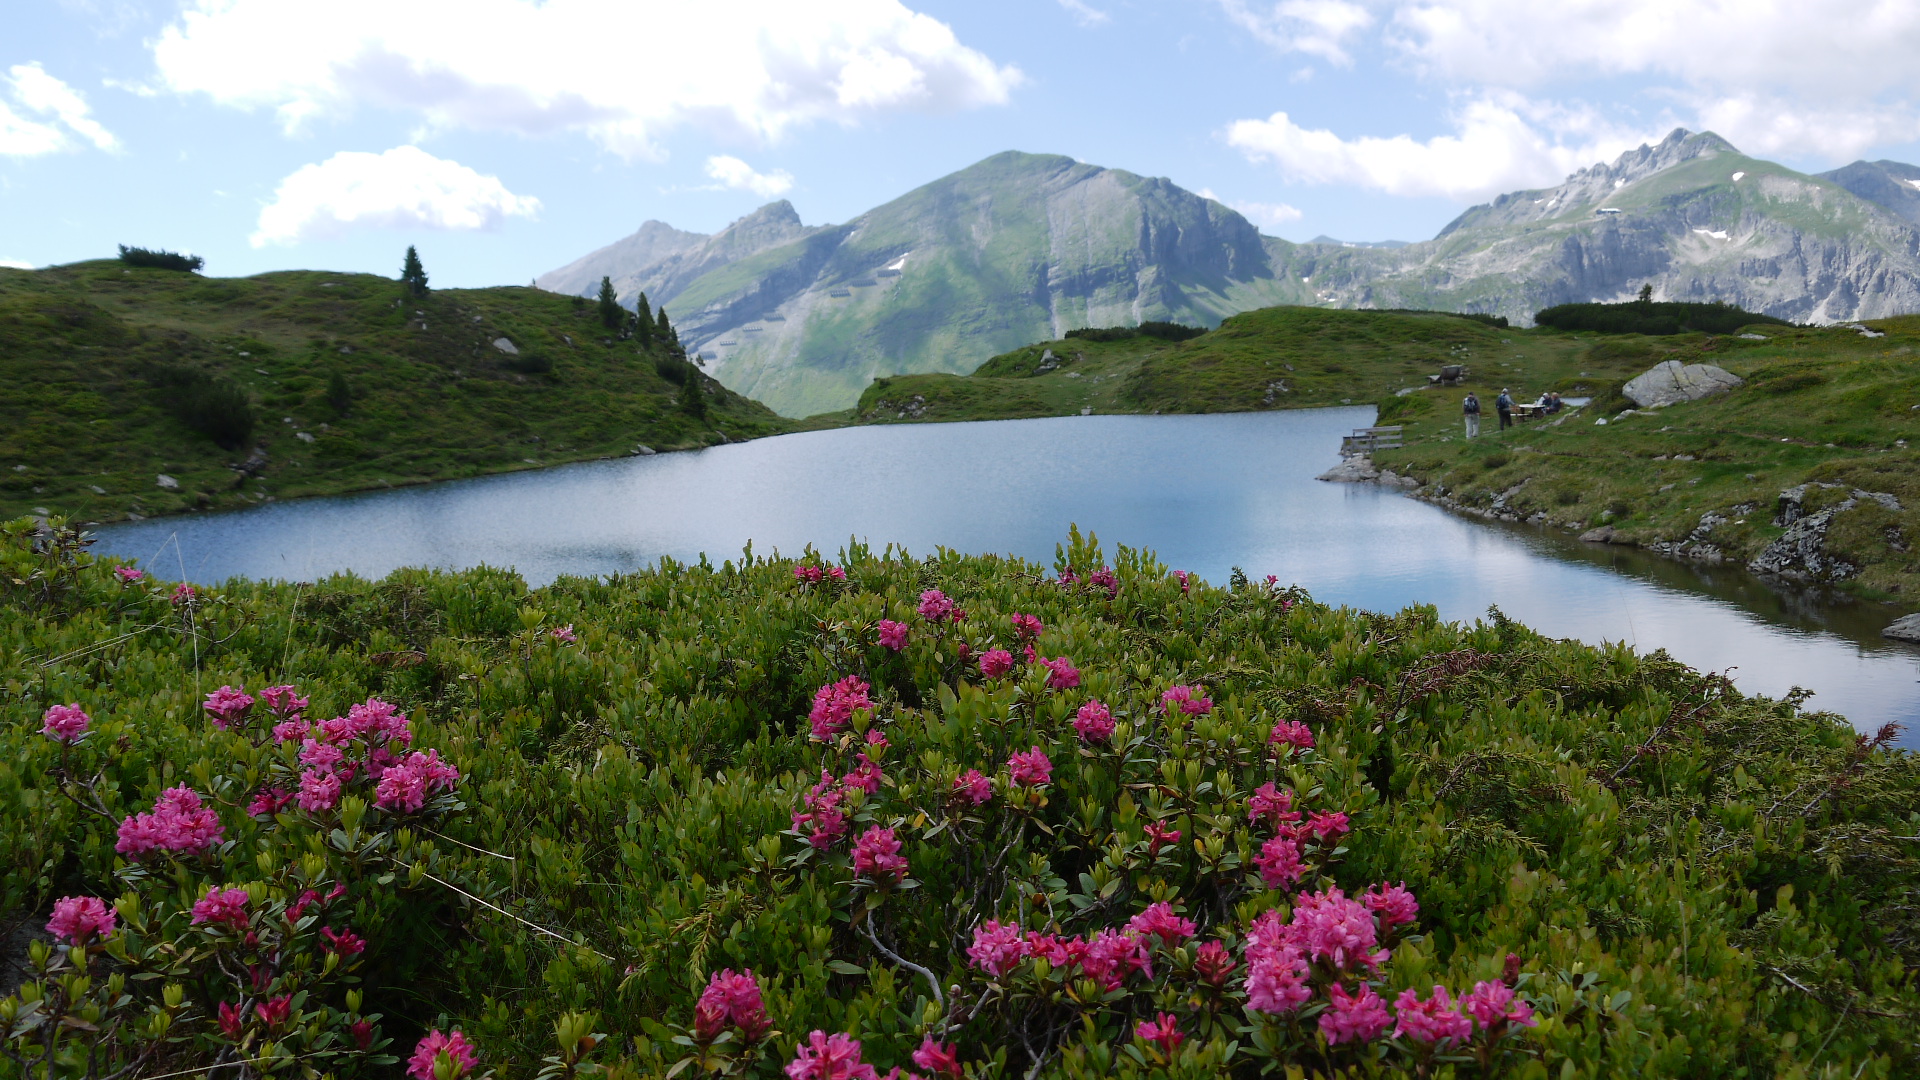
[[877, 855], [1277, 980], [1327, 827], [1272, 805], [320, 755], [1493, 1003], [178, 823], [184, 593], [1333, 928], [362, 1034], [1027, 627], [866, 776], [893, 635], [997, 947], [406, 786], [973, 787], [1104, 578], [231, 1019], [228, 706], [1214, 963], [344, 942], [1163, 1029], [319, 791], [1182, 578], [294, 730], [219, 907], [563, 634], [939, 1058], [1030, 769], [1093, 723], [79, 919], [1393, 903], [1160, 921], [1181, 699], [1432, 1020], [935, 607], [995, 663], [1359, 1017], [1292, 734], [1279, 862], [1113, 955], [65, 723], [1068, 578], [834, 705], [1052, 948], [1159, 836], [1062, 674], [731, 999], [282, 700], [269, 801], [375, 721], [128, 573], [823, 820], [807, 575], [836, 573], [454, 1047], [275, 1012], [829, 1057]]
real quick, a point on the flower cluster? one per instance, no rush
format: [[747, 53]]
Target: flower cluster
[[834, 705], [973, 787], [79, 919], [437, 1045], [1281, 860], [877, 855], [824, 820], [1184, 699], [406, 786], [1027, 627], [1030, 768], [1094, 722], [731, 1000], [179, 822], [893, 635], [224, 908], [831, 1057], [814, 575], [1291, 734], [227, 707], [564, 635], [1108, 956], [995, 663], [65, 723], [936, 608], [1061, 674]]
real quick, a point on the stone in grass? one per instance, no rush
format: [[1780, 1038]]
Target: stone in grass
[[506, 346], [1905, 628], [1671, 382], [166, 482]]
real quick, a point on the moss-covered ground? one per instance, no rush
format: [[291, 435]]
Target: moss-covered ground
[[93, 356]]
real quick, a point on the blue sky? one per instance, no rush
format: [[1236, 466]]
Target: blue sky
[[506, 137]]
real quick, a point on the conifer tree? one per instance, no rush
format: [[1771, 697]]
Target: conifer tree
[[693, 395], [1646, 294], [412, 274], [611, 316], [643, 322], [664, 332]]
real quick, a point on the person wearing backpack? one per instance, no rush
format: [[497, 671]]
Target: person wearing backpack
[[1504, 405], [1472, 409]]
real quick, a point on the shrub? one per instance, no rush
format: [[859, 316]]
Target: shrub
[[209, 404], [529, 363], [1166, 331], [160, 260], [1657, 319]]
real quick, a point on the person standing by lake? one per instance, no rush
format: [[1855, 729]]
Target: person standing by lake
[[1504, 405], [1471, 407]]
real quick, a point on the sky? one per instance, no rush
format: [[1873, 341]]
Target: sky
[[508, 137]]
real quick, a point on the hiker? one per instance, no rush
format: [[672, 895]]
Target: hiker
[[1553, 402], [1504, 405], [1472, 408]]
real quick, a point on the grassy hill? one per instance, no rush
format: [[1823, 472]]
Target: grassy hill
[[1703, 480], [117, 376]]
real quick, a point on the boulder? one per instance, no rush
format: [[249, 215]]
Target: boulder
[[1601, 535], [642, 450], [167, 482], [1354, 470], [506, 346], [1905, 628], [1665, 384]]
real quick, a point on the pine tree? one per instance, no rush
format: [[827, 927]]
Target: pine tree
[[611, 315], [412, 274], [664, 333], [693, 395], [1646, 294], [643, 322]]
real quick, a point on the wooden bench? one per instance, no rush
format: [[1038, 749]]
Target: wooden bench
[[1368, 439]]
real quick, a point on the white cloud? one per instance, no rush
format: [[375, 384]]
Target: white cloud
[[738, 175], [1322, 28], [16, 264], [1265, 215], [1502, 143], [623, 73], [1084, 13], [404, 188], [62, 114]]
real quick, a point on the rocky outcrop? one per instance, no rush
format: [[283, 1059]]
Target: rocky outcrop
[[1354, 470], [1673, 382], [1905, 628], [1800, 553]]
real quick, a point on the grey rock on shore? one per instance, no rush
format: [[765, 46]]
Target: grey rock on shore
[[1905, 628]]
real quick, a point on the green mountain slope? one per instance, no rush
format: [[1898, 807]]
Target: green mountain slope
[[108, 370]]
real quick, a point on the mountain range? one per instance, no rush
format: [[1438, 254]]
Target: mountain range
[[1023, 247]]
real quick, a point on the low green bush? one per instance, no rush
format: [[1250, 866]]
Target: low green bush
[[1652, 318], [977, 817], [160, 260]]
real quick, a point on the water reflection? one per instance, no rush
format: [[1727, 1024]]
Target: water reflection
[[1206, 493]]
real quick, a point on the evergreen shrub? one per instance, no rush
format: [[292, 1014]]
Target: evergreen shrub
[[1648, 317], [160, 260], [960, 816]]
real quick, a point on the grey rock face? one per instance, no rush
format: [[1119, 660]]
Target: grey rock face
[[1800, 553], [1905, 628], [1671, 382], [1892, 184]]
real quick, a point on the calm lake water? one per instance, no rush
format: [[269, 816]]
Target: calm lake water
[[1206, 493]]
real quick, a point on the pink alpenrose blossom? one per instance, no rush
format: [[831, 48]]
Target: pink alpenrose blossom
[[65, 723], [731, 999], [1031, 768], [222, 908], [1358, 1017], [997, 947], [227, 707], [1291, 734], [1279, 863], [319, 791], [1061, 674], [941, 1059], [128, 574], [834, 705], [564, 634], [995, 663], [1392, 903], [178, 823], [80, 919], [829, 1057], [1094, 722], [1493, 1006], [406, 786], [973, 787], [893, 635], [935, 607], [1182, 699], [1214, 963], [435, 1045], [1160, 921], [877, 855], [1434, 1020], [1163, 1030], [1027, 627]]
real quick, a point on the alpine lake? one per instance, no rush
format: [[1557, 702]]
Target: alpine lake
[[1205, 494]]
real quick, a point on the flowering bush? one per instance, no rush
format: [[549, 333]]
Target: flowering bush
[[771, 825]]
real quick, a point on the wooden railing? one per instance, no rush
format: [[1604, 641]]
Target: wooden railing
[[1368, 439]]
